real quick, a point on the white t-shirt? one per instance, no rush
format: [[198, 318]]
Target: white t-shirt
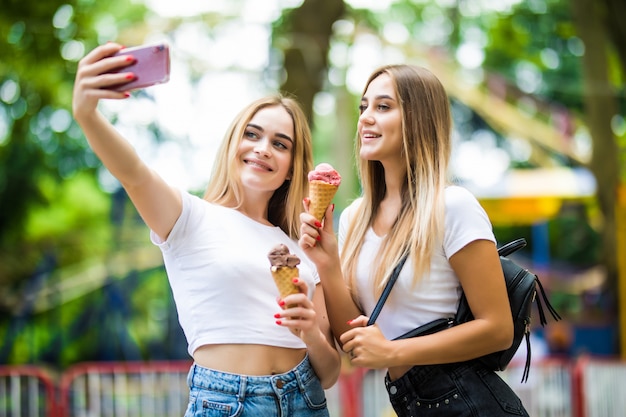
[[436, 295], [217, 265]]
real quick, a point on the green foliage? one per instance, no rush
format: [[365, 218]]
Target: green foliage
[[41, 148], [546, 41]]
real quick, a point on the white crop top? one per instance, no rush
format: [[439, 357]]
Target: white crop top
[[437, 294], [217, 266]]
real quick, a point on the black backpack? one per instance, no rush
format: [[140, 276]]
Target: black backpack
[[522, 287]]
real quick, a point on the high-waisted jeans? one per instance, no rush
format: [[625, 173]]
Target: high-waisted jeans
[[220, 394], [464, 389]]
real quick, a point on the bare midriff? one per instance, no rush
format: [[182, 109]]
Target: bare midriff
[[248, 359]]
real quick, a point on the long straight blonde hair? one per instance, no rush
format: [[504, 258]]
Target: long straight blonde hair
[[285, 204], [426, 144]]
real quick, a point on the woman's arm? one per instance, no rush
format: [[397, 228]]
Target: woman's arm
[[309, 321], [478, 267], [320, 245], [158, 204]]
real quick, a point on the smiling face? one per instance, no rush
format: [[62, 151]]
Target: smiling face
[[380, 122], [266, 148]]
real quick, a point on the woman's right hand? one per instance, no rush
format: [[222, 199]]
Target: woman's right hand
[[93, 78], [317, 239]]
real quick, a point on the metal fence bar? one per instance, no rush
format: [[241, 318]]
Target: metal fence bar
[[585, 388], [125, 389], [26, 391], [602, 382]]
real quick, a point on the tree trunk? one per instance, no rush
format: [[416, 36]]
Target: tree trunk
[[309, 30], [600, 106]]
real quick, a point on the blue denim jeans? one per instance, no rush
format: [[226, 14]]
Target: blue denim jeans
[[463, 389], [220, 394]]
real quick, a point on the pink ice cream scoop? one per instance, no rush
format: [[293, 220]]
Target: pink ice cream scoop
[[325, 172]]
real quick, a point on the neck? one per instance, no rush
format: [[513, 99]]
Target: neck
[[254, 207]]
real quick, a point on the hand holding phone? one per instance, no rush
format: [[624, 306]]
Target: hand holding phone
[[151, 66]]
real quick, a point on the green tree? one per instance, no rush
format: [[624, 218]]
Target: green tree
[[42, 152]]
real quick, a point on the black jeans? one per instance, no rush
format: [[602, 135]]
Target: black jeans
[[463, 389]]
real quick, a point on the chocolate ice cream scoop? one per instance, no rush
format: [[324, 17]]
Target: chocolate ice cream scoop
[[279, 256]]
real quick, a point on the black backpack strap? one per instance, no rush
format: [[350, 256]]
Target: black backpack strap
[[383, 297], [512, 246]]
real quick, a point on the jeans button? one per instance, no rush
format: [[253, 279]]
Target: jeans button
[[393, 390], [279, 383]]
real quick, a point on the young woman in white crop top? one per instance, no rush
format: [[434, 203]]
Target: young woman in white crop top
[[252, 354], [408, 206]]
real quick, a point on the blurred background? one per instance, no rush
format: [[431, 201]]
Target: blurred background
[[539, 104]]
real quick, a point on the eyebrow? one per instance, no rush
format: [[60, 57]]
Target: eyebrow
[[280, 135], [380, 97]]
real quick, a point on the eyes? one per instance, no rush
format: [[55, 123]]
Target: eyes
[[277, 142], [382, 107]]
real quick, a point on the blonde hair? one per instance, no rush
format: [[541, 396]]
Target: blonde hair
[[285, 204], [426, 144]]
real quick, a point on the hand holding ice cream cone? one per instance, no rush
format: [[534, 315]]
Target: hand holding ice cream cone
[[324, 181]]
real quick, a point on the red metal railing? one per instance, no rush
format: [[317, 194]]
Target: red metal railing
[[587, 387]]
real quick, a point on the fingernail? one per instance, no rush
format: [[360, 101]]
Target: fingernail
[[130, 58], [281, 303], [295, 280], [305, 200], [318, 224], [349, 322], [279, 322], [318, 238], [332, 207], [277, 315], [130, 76], [127, 94]]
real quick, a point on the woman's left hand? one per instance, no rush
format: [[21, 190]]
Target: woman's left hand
[[298, 314], [366, 346]]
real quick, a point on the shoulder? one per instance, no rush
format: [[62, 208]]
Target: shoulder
[[465, 220], [456, 195], [349, 211]]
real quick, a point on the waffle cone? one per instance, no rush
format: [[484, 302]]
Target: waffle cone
[[320, 195], [283, 277]]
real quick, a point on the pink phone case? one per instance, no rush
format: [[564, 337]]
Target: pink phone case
[[152, 66]]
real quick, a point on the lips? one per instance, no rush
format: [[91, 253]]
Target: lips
[[255, 163], [366, 134]]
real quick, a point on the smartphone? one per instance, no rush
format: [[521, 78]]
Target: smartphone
[[152, 66]]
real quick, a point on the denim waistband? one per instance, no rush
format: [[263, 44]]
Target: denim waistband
[[418, 374], [246, 385]]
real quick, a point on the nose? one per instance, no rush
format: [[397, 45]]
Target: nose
[[262, 148], [366, 117]]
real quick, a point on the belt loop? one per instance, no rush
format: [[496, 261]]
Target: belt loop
[[243, 382], [190, 375]]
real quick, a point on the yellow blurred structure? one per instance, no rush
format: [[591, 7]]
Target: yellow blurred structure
[[530, 196]]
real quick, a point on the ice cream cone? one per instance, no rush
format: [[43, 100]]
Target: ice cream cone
[[320, 195], [283, 277]]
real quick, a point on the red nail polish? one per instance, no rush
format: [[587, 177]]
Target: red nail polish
[[295, 280], [318, 238], [332, 207], [126, 94], [318, 224], [277, 315], [130, 76], [349, 322], [281, 303], [130, 58], [279, 322]]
